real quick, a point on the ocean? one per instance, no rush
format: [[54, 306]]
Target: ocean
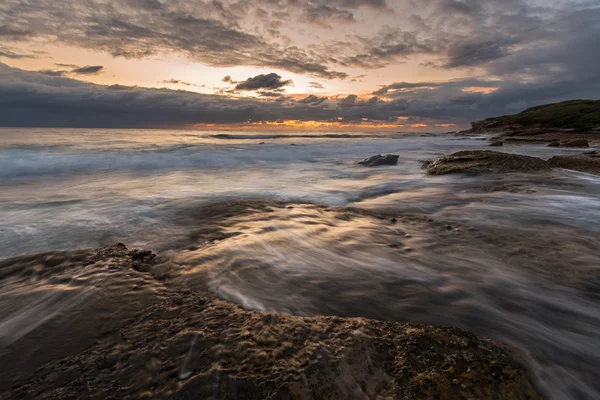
[[290, 223]]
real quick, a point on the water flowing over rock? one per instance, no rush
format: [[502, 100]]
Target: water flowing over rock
[[481, 161], [582, 163], [191, 346]]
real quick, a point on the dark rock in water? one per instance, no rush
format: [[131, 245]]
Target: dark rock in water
[[380, 160], [481, 161], [589, 164], [496, 144], [555, 143], [393, 220], [262, 143], [576, 143]]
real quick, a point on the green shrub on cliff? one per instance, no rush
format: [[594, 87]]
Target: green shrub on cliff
[[576, 114]]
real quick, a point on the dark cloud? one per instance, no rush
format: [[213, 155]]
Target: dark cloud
[[477, 53], [8, 53], [313, 100], [270, 94], [348, 101], [73, 69], [51, 72], [88, 70], [324, 15], [203, 30], [32, 98], [69, 66], [177, 82], [389, 45], [13, 33], [315, 85], [487, 35], [263, 81]]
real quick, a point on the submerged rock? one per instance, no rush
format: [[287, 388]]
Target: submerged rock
[[192, 346], [582, 163], [582, 143], [377, 160], [554, 143], [478, 161]]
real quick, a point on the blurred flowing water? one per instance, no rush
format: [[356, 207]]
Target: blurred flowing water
[[513, 257]]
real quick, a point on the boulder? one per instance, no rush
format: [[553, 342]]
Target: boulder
[[576, 143], [484, 161], [555, 143], [581, 163], [378, 160]]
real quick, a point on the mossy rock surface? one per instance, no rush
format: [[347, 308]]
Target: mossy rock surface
[[191, 346], [484, 161]]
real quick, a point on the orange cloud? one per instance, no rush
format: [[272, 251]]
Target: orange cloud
[[478, 89], [302, 125]]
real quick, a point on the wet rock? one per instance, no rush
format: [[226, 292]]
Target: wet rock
[[378, 160], [193, 346], [496, 144], [482, 161], [141, 260], [576, 143], [580, 163], [555, 143]]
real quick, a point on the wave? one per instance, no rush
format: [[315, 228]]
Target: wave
[[299, 136]]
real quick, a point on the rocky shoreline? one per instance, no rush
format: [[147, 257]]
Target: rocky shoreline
[[485, 161], [575, 120], [185, 345], [570, 124]]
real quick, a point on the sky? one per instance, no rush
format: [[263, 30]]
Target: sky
[[398, 65]]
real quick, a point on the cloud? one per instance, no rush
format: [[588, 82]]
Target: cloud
[[313, 100], [8, 53], [34, 99], [203, 30], [528, 78], [88, 70], [178, 82], [315, 85], [52, 72], [324, 15], [69, 66], [490, 36], [73, 69], [263, 81], [270, 94], [13, 33], [477, 53]]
